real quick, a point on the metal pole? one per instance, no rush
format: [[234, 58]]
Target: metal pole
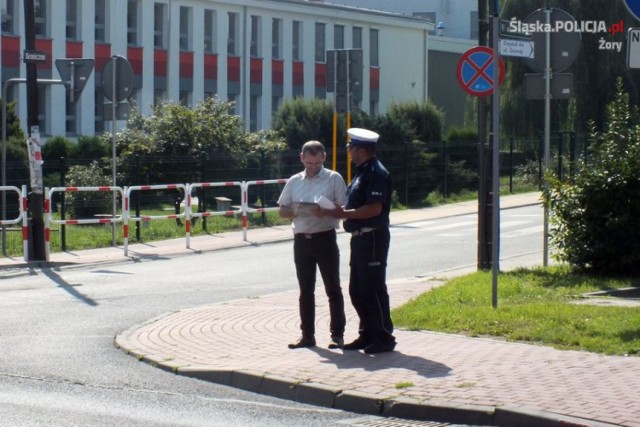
[[495, 247], [547, 132], [4, 165], [113, 145]]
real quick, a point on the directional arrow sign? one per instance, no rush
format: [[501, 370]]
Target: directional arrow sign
[[518, 48]]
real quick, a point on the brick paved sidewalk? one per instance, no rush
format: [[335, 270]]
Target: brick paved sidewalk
[[450, 378]]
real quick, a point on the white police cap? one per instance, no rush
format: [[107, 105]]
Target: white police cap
[[361, 136]]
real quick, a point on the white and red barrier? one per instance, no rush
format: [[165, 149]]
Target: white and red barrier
[[191, 187], [126, 208], [125, 217], [245, 202], [22, 217], [50, 220]]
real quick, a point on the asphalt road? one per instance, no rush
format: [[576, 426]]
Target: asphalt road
[[58, 365]]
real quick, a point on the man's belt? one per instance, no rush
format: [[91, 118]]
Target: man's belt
[[362, 231], [315, 235]]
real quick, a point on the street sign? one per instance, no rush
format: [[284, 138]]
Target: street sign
[[34, 57], [517, 48], [117, 71], [475, 71], [634, 7], [561, 86], [76, 71], [565, 45], [633, 48]]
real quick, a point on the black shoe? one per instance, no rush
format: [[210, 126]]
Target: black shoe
[[336, 342], [380, 347], [359, 344], [303, 342]]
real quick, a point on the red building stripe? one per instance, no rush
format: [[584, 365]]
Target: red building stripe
[[11, 51], [103, 53], [211, 67], [298, 73], [233, 68], [277, 71], [374, 78], [321, 74], [256, 70], [74, 49], [134, 55], [160, 63], [45, 45], [186, 65]]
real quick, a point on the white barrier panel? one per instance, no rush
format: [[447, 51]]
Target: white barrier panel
[[127, 197], [49, 219], [22, 216], [188, 207], [245, 202]]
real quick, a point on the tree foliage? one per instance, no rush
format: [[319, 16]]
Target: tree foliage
[[596, 223], [300, 120], [593, 72]]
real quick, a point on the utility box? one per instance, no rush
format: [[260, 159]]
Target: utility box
[[223, 204]]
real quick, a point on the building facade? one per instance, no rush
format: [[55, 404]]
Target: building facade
[[256, 53]]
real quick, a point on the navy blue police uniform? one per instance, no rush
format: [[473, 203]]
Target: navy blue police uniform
[[368, 261]]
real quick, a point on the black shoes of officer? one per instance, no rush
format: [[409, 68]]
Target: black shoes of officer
[[303, 342], [336, 342], [359, 343], [380, 346]]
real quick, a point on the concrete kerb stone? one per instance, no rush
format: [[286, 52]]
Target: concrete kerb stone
[[317, 394], [362, 403], [441, 411], [509, 415], [249, 380]]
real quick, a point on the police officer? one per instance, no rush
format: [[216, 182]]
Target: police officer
[[366, 215]]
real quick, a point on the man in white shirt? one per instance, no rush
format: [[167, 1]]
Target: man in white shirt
[[315, 241]]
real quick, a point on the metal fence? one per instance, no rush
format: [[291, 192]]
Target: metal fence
[[417, 171]]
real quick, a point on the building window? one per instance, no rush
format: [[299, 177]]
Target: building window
[[357, 38], [254, 113], [70, 126], [296, 52], [210, 31], [255, 49], [374, 59], [185, 98], [8, 11], [320, 42], [474, 26], [132, 22], [185, 28], [98, 110], [159, 95], [276, 38], [276, 102], [338, 37], [72, 20], [232, 41], [101, 21], [40, 9], [159, 23]]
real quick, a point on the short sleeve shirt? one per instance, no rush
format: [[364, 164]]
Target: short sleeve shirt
[[303, 188], [371, 183]]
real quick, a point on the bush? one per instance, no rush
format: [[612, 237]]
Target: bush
[[86, 204], [596, 224]]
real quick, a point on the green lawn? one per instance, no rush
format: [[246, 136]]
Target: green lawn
[[534, 305]]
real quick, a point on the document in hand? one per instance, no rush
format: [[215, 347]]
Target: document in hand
[[324, 203]]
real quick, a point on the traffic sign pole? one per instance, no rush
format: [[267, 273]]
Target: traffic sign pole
[[495, 243]]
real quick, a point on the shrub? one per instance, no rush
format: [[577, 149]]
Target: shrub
[[595, 223], [86, 204]]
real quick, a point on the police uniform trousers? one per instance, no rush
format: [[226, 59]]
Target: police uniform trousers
[[367, 284], [321, 250]]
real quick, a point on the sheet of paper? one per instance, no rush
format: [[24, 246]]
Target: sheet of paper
[[324, 203]]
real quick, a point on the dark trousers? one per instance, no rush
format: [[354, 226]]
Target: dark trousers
[[321, 250], [368, 284]]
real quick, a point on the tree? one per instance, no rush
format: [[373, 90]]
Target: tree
[[593, 72], [595, 224], [300, 120]]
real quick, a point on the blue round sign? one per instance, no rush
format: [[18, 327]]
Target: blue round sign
[[475, 71], [634, 7]]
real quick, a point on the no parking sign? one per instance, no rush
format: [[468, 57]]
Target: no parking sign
[[476, 71]]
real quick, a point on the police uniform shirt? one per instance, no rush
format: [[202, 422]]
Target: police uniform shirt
[[372, 183]]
